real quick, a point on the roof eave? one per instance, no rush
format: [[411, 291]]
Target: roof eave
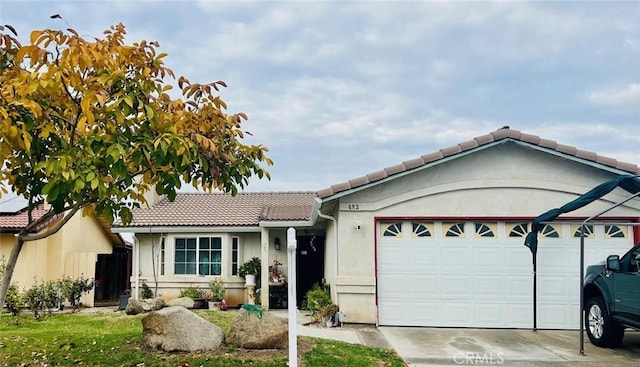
[[185, 229]]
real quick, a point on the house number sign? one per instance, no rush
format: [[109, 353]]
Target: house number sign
[[353, 206]]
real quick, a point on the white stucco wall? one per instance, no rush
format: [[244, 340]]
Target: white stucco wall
[[507, 180]]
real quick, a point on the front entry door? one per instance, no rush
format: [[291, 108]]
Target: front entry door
[[310, 264]]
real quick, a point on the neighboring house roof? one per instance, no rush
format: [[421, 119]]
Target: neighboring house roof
[[14, 217], [244, 209], [503, 134]]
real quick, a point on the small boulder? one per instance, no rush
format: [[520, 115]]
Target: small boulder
[[134, 307], [258, 330], [186, 302], [178, 329]]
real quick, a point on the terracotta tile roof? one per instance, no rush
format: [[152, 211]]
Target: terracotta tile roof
[[15, 221], [500, 134], [244, 209]]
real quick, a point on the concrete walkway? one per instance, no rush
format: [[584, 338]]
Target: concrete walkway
[[367, 335]]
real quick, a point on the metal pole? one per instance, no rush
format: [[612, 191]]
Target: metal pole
[[535, 292], [291, 262], [582, 227]]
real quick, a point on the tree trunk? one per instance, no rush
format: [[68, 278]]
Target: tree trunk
[[8, 274]]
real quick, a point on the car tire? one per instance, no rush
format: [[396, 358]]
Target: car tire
[[602, 329]]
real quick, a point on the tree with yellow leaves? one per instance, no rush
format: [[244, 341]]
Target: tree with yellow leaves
[[88, 125]]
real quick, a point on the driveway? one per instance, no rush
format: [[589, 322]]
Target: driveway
[[454, 347]]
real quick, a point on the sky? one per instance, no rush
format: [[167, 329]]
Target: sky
[[339, 89]]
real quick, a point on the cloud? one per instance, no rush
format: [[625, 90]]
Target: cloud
[[625, 97]]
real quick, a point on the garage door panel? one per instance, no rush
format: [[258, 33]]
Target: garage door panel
[[516, 257], [519, 285], [556, 315], [487, 257], [490, 314], [456, 285], [457, 313], [424, 256], [456, 256], [488, 285], [519, 314]]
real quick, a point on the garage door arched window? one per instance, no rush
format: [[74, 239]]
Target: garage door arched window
[[613, 231], [517, 229], [485, 230], [391, 229], [550, 231], [422, 229], [588, 231], [454, 229]]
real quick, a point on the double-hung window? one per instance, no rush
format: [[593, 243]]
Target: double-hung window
[[198, 256]]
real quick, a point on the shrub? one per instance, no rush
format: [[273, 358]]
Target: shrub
[[14, 301], [193, 293], [146, 291], [317, 298], [216, 286], [73, 289], [43, 296]]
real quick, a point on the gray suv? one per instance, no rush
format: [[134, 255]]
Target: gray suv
[[612, 298]]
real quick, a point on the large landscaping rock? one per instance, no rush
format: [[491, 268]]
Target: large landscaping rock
[[186, 302], [178, 329], [258, 330]]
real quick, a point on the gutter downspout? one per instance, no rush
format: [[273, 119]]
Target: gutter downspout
[[335, 246], [136, 245]]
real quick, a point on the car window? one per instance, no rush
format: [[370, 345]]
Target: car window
[[633, 261]]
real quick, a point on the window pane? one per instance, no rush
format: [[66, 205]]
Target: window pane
[[179, 243], [216, 243], [191, 243], [180, 269], [204, 256], [180, 256], [191, 268], [204, 243], [191, 257], [204, 269], [217, 269]]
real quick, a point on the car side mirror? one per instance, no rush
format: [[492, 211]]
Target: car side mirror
[[613, 263]]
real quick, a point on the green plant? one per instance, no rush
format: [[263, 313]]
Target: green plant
[[317, 298], [43, 296], [251, 267], [329, 310], [14, 301], [193, 293], [73, 289], [216, 286], [146, 291]]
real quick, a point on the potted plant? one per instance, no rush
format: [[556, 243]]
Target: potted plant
[[197, 295], [250, 271], [328, 314], [216, 287]]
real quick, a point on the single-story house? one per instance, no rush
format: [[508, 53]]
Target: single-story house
[[84, 246], [433, 241]]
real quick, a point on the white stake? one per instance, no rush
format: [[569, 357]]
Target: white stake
[[292, 303]]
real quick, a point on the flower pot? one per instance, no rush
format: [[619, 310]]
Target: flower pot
[[214, 305], [329, 323], [250, 279]]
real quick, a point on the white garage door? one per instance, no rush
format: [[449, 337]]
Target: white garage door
[[479, 274]]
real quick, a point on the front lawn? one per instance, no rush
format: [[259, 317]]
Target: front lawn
[[114, 339]]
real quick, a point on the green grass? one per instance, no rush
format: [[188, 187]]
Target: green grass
[[114, 339]]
